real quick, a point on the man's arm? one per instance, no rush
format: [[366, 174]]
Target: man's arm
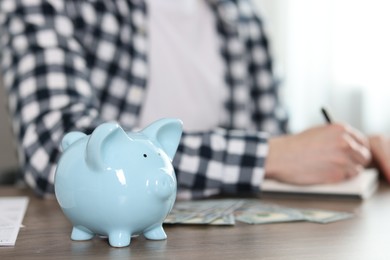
[[46, 78]]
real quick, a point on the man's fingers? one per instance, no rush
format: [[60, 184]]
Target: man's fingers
[[380, 147], [359, 154]]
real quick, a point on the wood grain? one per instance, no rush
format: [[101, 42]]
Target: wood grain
[[366, 236]]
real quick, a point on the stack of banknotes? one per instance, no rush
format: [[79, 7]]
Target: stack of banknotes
[[250, 211]]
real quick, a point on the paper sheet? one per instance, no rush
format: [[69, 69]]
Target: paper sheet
[[362, 186], [12, 210]]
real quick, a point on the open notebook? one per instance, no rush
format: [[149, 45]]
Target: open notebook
[[362, 186]]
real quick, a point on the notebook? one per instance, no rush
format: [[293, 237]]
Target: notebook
[[362, 186]]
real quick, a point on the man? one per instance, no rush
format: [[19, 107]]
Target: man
[[71, 65]]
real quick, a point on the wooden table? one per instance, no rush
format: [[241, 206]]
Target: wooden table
[[366, 236]]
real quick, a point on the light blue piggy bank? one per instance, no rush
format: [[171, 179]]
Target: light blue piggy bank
[[118, 184]]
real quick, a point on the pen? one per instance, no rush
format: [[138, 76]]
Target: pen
[[327, 116]]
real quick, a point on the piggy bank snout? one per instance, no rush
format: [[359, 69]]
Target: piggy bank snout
[[164, 185]]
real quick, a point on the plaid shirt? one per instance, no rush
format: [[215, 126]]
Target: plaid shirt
[[71, 65]]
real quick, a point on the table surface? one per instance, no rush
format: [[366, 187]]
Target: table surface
[[46, 235]]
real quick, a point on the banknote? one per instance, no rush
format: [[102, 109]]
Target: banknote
[[224, 220], [215, 212], [267, 213], [325, 216], [176, 217], [250, 211]]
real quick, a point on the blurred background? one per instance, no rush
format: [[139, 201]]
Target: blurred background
[[8, 161], [333, 53]]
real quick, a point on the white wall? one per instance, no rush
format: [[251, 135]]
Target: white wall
[[334, 53]]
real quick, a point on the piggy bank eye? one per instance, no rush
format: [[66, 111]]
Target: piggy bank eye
[[145, 155]]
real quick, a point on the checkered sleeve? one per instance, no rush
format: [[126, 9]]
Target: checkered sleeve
[[268, 112], [220, 162], [45, 76]]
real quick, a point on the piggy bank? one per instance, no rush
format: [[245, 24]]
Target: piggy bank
[[118, 184]]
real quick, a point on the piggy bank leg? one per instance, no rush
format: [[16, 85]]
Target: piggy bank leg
[[81, 233], [119, 238], [156, 233]]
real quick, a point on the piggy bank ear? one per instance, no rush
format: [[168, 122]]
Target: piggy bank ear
[[167, 133], [102, 143], [70, 138]]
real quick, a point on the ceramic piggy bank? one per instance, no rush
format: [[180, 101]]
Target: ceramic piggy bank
[[118, 184]]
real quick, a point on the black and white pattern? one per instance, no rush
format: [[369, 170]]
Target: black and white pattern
[[71, 65]]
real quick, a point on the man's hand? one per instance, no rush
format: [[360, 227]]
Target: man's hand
[[380, 149], [325, 154]]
